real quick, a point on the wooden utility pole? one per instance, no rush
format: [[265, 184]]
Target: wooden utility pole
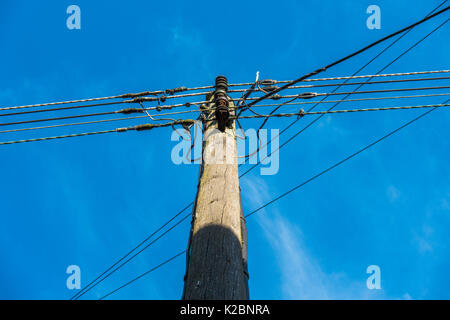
[[217, 251]]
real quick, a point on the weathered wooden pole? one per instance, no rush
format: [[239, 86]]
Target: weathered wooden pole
[[217, 251]]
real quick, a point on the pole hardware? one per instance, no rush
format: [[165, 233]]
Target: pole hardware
[[221, 102]]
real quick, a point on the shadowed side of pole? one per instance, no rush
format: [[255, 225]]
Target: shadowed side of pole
[[220, 273]]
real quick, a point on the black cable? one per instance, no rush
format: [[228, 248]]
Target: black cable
[[63, 108], [58, 118], [319, 117], [145, 116], [73, 124], [136, 100], [293, 189], [156, 115], [144, 274], [344, 160], [321, 94], [134, 249], [144, 109], [303, 113], [132, 257], [346, 57], [335, 89], [275, 199], [371, 82], [59, 137], [139, 127], [122, 111]]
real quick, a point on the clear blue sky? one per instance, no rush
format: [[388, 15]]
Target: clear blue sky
[[87, 201]]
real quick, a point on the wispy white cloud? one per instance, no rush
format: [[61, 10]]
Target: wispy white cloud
[[407, 296], [392, 193], [445, 204], [423, 245], [423, 239], [302, 276]]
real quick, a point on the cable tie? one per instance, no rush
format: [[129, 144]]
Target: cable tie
[[130, 110], [141, 94], [142, 127], [270, 88], [175, 90], [275, 97], [168, 107], [307, 95], [143, 99], [267, 82]]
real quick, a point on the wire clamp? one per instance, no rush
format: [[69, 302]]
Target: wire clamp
[[144, 99], [267, 82], [307, 95], [301, 113], [129, 110], [275, 97], [162, 99], [270, 88], [171, 92]]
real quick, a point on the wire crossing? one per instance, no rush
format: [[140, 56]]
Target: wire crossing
[[144, 274], [337, 164], [334, 166], [150, 126], [111, 271], [302, 113], [320, 70], [83, 290], [263, 90], [337, 103]]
